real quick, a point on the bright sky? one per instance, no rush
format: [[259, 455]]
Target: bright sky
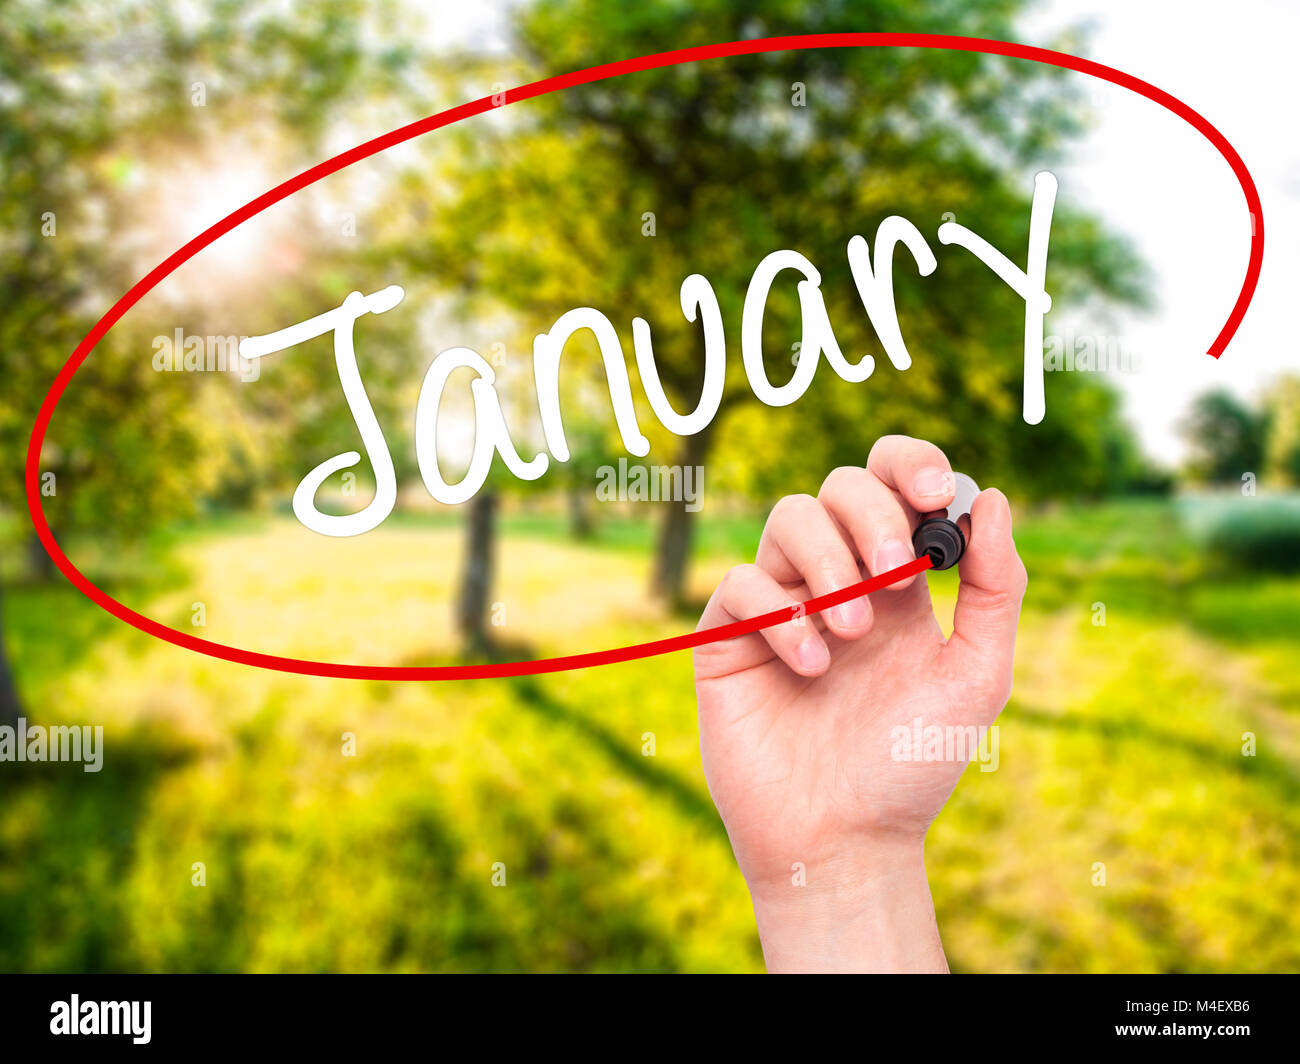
[[1152, 177]]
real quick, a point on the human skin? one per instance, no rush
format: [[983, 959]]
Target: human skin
[[795, 721]]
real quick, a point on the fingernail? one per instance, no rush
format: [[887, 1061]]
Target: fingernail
[[890, 555], [933, 482], [812, 654], [851, 614]]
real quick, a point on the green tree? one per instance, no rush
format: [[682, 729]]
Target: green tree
[[1225, 437], [86, 92], [1282, 404], [610, 195]]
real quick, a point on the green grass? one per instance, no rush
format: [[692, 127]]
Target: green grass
[[1122, 747]]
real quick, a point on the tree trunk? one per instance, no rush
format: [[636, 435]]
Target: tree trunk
[[673, 549], [38, 559], [581, 525], [474, 609], [10, 707]]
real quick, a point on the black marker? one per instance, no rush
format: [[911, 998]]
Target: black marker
[[938, 535]]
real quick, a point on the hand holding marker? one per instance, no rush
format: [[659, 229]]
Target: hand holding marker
[[807, 730]]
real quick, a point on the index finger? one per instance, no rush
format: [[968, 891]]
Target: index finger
[[916, 469]]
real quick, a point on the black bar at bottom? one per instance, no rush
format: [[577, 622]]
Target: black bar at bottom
[[643, 1014]]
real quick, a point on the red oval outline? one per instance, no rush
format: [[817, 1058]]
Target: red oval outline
[[525, 92]]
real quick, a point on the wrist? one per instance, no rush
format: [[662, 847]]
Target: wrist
[[864, 908]]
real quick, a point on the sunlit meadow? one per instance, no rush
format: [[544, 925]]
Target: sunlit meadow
[[1123, 829]]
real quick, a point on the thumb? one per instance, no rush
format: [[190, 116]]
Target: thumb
[[979, 655]]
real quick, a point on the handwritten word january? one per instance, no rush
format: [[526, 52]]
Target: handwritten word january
[[872, 275]]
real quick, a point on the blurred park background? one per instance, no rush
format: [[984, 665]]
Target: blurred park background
[[1143, 816]]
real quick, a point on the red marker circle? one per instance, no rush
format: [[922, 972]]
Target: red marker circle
[[603, 72]]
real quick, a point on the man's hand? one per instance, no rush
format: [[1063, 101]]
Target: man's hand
[[796, 720]]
